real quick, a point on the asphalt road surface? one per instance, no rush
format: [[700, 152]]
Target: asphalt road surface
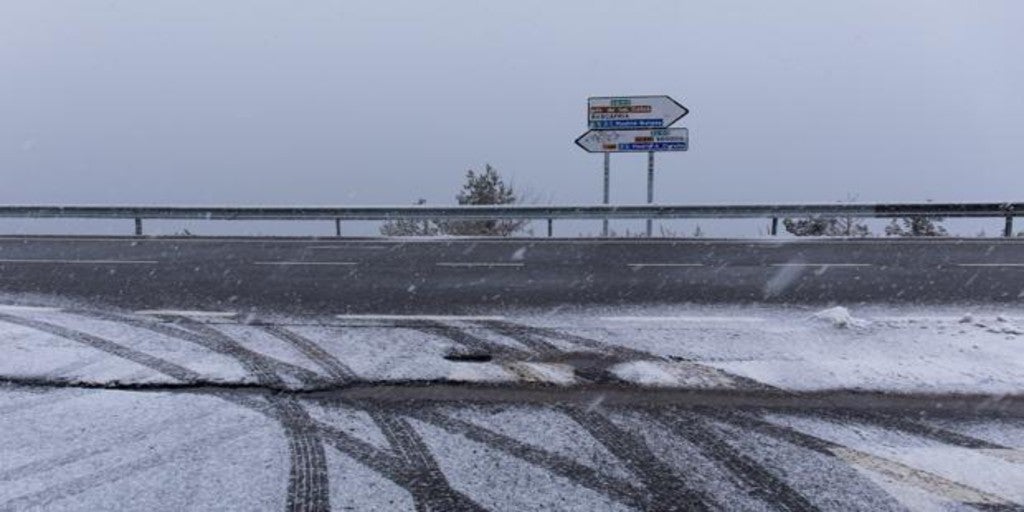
[[382, 275]]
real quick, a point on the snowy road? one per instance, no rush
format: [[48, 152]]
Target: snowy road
[[684, 408], [457, 275], [76, 449]]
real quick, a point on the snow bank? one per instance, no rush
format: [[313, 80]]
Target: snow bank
[[840, 318]]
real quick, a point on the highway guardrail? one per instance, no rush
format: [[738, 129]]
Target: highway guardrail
[[532, 212]]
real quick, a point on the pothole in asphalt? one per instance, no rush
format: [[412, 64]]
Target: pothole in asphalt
[[469, 357]]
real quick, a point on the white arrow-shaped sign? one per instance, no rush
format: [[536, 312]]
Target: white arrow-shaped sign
[[626, 141], [633, 112]]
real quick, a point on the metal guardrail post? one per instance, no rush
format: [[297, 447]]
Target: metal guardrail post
[[1008, 228], [775, 226], [550, 227], [337, 227], [138, 226]]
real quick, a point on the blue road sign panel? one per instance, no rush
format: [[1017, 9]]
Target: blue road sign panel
[[625, 141], [611, 124]]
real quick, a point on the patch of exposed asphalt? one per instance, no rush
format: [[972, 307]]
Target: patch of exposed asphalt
[[837, 401]]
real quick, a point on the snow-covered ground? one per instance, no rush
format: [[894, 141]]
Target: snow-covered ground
[[239, 444], [90, 449], [903, 349]]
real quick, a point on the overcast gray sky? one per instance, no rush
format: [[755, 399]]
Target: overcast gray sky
[[381, 102]]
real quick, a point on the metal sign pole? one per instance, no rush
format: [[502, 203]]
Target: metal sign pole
[[607, 184], [650, 186]]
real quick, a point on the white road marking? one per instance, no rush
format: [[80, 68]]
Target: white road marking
[[28, 309], [477, 265], [990, 264], [821, 264], [748, 319], [186, 312], [308, 263], [662, 265], [436, 318], [83, 262]]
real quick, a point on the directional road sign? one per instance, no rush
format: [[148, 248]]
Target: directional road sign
[[625, 141], [632, 112]]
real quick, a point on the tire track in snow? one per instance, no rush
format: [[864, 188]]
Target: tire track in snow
[[757, 480], [535, 343], [539, 333], [262, 366], [897, 471], [159, 365], [331, 365], [266, 368], [560, 465], [666, 488], [431, 491], [388, 465], [402, 465], [307, 485], [892, 422], [253, 362], [464, 339]]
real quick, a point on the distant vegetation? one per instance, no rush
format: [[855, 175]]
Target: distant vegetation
[[826, 226], [850, 226], [487, 187], [853, 227], [916, 226]]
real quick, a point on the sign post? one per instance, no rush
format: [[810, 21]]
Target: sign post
[[650, 185], [633, 124], [607, 189]]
